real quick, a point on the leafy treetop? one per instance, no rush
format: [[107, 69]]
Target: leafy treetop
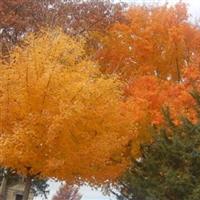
[[59, 112]]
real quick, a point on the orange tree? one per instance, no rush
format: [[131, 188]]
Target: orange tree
[[60, 117], [147, 95], [155, 51], [154, 40]]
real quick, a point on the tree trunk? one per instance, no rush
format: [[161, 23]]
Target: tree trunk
[[28, 182], [3, 186], [178, 71]]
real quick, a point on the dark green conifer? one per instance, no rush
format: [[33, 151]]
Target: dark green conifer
[[169, 168]]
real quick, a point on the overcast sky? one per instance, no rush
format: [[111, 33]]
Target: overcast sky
[[88, 193]]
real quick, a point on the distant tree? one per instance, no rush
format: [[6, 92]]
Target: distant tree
[[19, 17], [168, 169], [75, 17], [67, 192]]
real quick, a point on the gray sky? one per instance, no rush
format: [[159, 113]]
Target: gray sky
[[87, 192]]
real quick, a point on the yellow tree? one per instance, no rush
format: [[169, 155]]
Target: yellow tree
[[59, 116]]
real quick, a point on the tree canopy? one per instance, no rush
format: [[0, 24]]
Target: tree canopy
[[153, 40], [59, 112]]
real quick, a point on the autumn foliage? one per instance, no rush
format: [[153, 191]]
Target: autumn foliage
[[83, 99], [59, 112], [155, 40], [67, 192], [75, 17], [155, 50]]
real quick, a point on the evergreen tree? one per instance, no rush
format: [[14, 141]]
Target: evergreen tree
[[169, 168]]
